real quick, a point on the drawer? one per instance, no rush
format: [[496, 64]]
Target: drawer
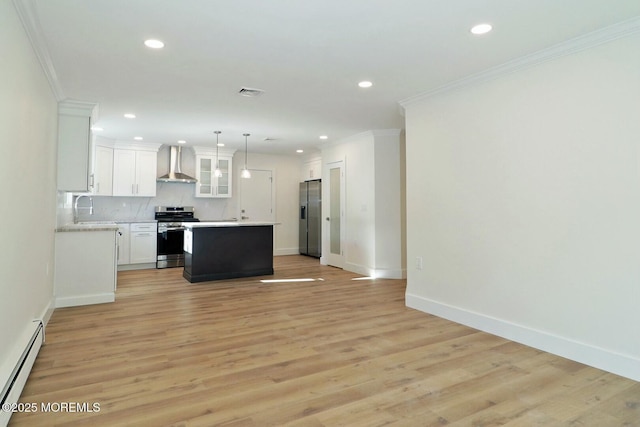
[[144, 226]]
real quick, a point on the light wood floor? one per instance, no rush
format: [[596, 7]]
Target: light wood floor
[[332, 352]]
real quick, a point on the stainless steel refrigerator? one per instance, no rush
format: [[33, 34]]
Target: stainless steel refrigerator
[[310, 218]]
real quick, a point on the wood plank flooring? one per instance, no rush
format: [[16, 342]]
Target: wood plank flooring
[[331, 352]]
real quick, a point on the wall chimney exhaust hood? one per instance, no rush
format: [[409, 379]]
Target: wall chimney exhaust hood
[[175, 173]]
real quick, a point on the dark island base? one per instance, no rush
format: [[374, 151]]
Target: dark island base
[[227, 275], [229, 252]]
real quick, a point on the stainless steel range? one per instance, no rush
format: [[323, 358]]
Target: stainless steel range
[[171, 234]]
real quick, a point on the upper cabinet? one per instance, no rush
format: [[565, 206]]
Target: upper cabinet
[[135, 168], [74, 145], [208, 184], [312, 169], [101, 179]]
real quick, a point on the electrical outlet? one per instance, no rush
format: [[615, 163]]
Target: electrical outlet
[[418, 263]]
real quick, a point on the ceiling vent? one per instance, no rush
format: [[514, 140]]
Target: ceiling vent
[[250, 93]]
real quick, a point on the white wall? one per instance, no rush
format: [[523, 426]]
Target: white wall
[[373, 224], [523, 198], [389, 208], [28, 127]]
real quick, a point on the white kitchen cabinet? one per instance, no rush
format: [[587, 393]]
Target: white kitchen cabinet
[[85, 267], [143, 239], [208, 184], [123, 238], [101, 182], [74, 145], [312, 169], [135, 172]]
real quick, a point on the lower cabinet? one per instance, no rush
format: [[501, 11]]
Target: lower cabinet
[[123, 244], [85, 267], [142, 243], [137, 243]]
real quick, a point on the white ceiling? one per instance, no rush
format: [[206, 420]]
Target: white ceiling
[[307, 55]]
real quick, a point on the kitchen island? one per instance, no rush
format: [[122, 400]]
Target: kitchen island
[[226, 250]]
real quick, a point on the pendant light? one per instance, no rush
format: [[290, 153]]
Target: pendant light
[[217, 173], [245, 172]]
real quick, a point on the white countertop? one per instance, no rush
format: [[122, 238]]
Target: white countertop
[[89, 226], [204, 224], [113, 225], [101, 225]]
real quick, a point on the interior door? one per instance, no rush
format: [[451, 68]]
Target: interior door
[[334, 214], [257, 196]]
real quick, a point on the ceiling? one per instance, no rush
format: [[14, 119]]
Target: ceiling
[[307, 55]]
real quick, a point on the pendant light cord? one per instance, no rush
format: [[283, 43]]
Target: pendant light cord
[[217, 148], [245, 149]]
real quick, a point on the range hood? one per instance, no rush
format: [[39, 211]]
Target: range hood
[[175, 173]]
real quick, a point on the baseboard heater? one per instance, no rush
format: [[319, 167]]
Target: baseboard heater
[[18, 378]]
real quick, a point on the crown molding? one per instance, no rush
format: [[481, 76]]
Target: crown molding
[[141, 146], [569, 47], [211, 151], [373, 133], [27, 12]]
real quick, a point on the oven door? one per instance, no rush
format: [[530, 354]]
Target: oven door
[[170, 247]]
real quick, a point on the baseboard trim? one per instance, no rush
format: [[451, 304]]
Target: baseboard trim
[[85, 300], [378, 273], [597, 357], [286, 251], [143, 266], [47, 312]]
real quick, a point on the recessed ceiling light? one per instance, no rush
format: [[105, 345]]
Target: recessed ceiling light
[[365, 84], [96, 128], [324, 137], [138, 138], [154, 44], [481, 29], [299, 151], [182, 141], [220, 144], [130, 116]]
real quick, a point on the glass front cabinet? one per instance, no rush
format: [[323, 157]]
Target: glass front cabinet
[[208, 184]]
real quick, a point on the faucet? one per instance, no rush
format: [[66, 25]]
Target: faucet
[[75, 207]]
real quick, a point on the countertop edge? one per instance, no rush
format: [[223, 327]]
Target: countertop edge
[[86, 227], [201, 224]]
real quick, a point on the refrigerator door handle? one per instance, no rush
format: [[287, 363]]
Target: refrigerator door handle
[[303, 212]]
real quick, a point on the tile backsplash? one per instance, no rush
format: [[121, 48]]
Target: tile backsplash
[[143, 208]]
